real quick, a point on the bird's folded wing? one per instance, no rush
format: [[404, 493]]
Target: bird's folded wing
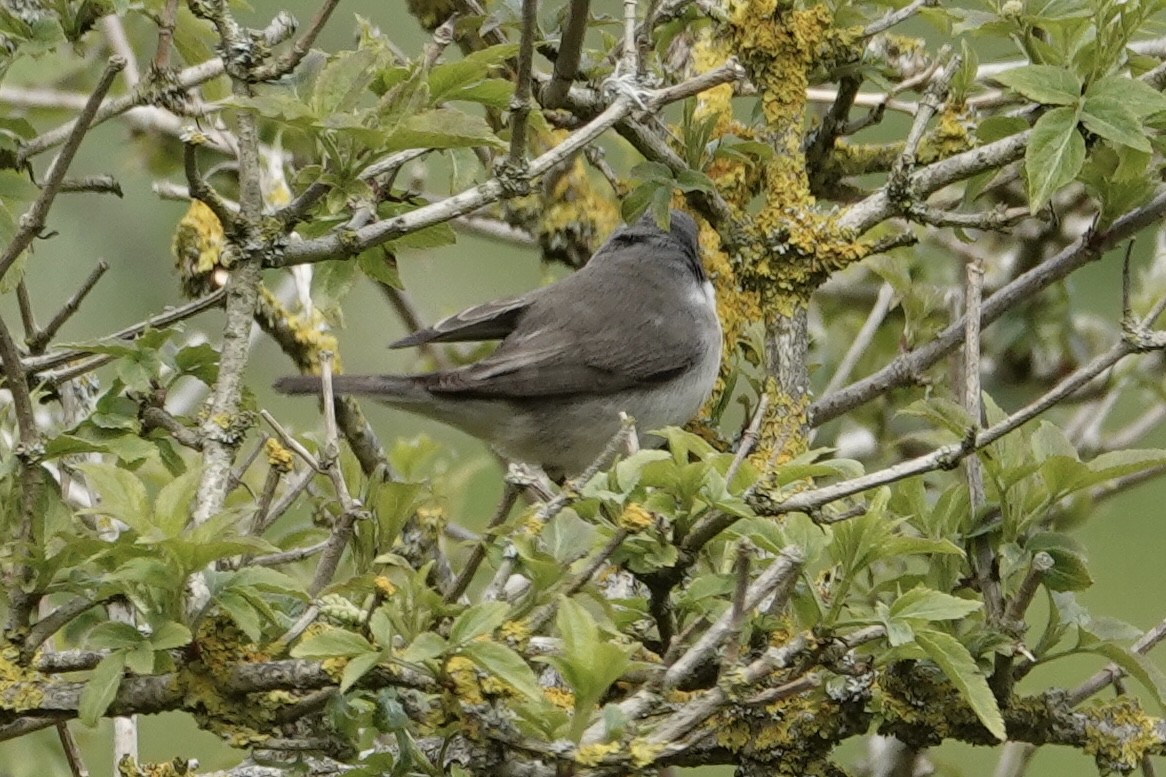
[[603, 365], [488, 321]]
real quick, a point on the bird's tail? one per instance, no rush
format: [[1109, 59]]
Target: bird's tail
[[389, 388]]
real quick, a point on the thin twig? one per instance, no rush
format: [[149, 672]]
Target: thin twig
[[1144, 645], [351, 508], [737, 608], [788, 563], [906, 368], [335, 244], [749, 439], [37, 364], [863, 339], [33, 220], [27, 316], [167, 21], [288, 556], [893, 18], [543, 615], [38, 341], [292, 57], [470, 568], [1041, 565], [520, 103], [570, 51], [28, 450], [981, 555], [950, 455]]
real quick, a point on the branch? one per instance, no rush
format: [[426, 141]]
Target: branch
[[273, 34], [950, 455], [520, 103], [344, 244], [33, 220], [895, 17], [905, 369], [570, 51], [37, 364], [288, 62]]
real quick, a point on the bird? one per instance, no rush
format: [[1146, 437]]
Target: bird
[[634, 331]]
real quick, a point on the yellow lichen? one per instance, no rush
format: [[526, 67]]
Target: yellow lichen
[[593, 754], [644, 752], [560, 697], [464, 677], [1119, 734], [305, 332], [635, 518], [198, 245], [128, 767], [384, 586], [20, 689], [278, 457], [515, 631]]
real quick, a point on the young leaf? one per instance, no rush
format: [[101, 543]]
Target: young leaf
[[1044, 84], [476, 621], [442, 128], [332, 643], [504, 663], [1115, 121], [960, 668], [925, 604], [1137, 95], [1054, 156], [102, 687], [356, 668]]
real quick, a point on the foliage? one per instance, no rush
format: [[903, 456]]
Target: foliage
[[736, 597]]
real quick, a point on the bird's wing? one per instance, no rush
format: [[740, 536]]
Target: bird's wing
[[488, 321], [541, 359]]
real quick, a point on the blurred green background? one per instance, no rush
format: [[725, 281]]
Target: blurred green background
[[1125, 540]]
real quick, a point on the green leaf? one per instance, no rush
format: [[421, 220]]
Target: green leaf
[[1136, 666], [1055, 154], [122, 495], [442, 128], [694, 181], [1113, 120], [925, 604], [380, 265], [960, 668], [172, 505], [241, 611], [1048, 440], [332, 643], [200, 361], [635, 202], [479, 620], [343, 81], [427, 645], [101, 688], [114, 635], [449, 77], [170, 635], [493, 92], [1070, 570], [1116, 464], [1044, 84], [578, 629], [356, 668], [504, 663], [1136, 95]]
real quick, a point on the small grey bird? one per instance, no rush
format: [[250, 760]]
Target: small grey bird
[[635, 330]]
